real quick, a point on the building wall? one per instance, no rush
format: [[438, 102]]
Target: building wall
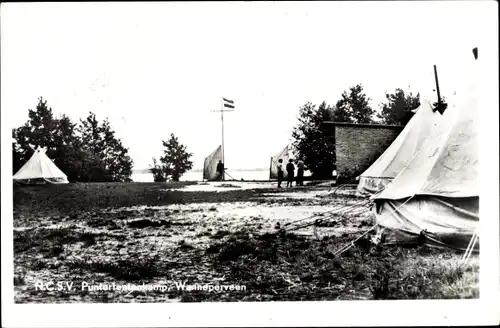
[[357, 146]]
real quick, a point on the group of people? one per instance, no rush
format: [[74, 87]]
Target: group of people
[[290, 170]]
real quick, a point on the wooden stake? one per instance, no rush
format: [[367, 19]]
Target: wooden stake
[[437, 87]]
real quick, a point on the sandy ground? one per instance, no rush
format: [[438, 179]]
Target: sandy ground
[[222, 240]]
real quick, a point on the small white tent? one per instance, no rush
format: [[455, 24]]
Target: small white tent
[[40, 169], [210, 165], [435, 198], [400, 152]]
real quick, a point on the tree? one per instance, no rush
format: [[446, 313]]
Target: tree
[[37, 131], [398, 108], [174, 163], [311, 143], [106, 159], [353, 106], [157, 171]]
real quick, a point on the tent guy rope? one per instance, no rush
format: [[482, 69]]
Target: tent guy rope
[[350, 244]]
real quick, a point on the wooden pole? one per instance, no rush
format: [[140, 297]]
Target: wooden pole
[[223, 159], [270, 169], [437, 87], [222, 125]]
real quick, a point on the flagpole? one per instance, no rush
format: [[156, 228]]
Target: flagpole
[[231, 105], [437, 88], [222, 121]]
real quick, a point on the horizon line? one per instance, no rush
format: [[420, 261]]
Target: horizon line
[[201, 170]]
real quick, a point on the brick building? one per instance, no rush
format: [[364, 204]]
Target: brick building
[[357, 146]]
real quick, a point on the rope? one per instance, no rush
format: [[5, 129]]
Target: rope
[[338, 187], [350, 244], [343, 185], [470, 247], [315, 223], [326, 212], [330, 218], [229, 175], [330, 211]]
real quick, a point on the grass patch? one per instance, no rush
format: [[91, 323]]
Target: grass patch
[[75, 198], [99, 222], [38, 264], [220, 234], [19, 280], [128, 270], [143, 223], [439, 278], [184, 245], [262, 247], [291, 267], [51, 240]]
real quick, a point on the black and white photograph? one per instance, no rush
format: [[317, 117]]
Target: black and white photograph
[[327, 163]]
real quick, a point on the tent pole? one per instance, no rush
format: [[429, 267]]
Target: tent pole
[[437, 87], [223, 159], [222, 126], [270, 168]]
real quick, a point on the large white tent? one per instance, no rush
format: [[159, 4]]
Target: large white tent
[[435, 198], [400, 152], [40, 169]]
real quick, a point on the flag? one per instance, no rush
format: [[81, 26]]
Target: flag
[[228, 103]]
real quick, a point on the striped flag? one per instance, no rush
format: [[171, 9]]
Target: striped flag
[[228, 103]]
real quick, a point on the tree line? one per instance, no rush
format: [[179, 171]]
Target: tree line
[[89, 151]]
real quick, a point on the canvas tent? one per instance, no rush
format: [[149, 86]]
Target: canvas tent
[[435, 198], [400, 152], [40, 169], [284, 154], [210, 165]]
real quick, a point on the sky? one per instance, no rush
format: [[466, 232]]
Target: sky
[[159, 68]]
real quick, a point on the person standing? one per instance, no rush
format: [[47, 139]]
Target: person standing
[[290, 170], [280, 172], [220, 170], [300, 172]]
